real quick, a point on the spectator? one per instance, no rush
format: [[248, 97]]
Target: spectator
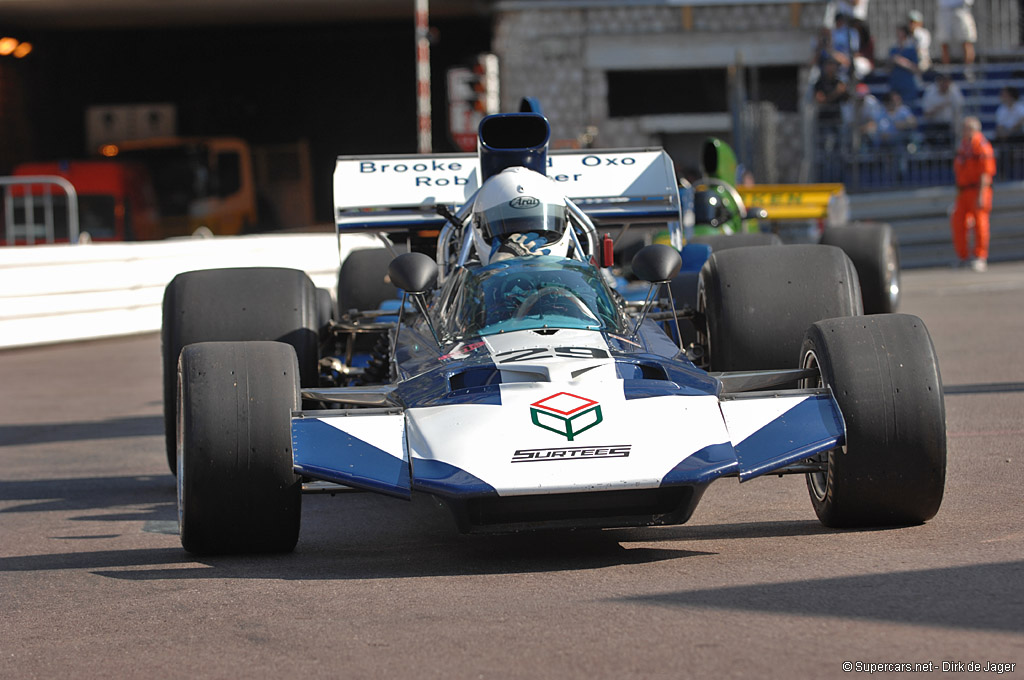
[[942, 107], [856, 9], [856, 12], [943, 102], [975, 166], [896, 122], [845, 48], [1010, 116], [863, 113], [822, 48], [954, 21], [830, 91], [922, 38], [903, 68]]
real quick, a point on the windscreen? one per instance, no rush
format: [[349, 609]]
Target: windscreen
[[532, 293]]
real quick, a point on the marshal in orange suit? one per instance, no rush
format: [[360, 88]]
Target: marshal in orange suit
[[975, 166]]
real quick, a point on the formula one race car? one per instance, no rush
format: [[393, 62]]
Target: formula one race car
[[514, 353], [724, 218]]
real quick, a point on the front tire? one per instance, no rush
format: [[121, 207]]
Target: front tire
[[237, 491], [885, 377], [249, 303]]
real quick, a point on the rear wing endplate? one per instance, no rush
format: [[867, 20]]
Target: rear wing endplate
[[399, 193]]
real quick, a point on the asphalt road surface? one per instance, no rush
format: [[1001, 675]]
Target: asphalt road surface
[[93, 581]]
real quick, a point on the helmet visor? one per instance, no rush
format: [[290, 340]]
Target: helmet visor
[[519, 215]]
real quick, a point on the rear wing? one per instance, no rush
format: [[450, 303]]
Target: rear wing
[[392, 193], [798, 201]]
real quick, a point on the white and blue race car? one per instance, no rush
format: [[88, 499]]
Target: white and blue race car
[[517, 383]]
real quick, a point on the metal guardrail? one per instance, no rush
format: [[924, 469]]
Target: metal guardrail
[[30, 229], [925, 159], [921, 220]]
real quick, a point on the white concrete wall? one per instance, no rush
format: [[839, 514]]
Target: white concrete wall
[[59, 293]]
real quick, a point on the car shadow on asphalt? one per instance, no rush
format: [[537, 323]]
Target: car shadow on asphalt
[[735, 530], [74, 494], [973, 597], [47, 433], [983, 388], [349, 536], [353, 537]]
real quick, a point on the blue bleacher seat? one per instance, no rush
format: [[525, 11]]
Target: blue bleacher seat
[[932, 164]]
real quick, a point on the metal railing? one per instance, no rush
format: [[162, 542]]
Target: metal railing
[[30, 214], [921, 158]]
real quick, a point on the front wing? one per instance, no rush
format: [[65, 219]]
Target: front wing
[[537, 440]]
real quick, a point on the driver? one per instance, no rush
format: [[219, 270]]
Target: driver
[[519, 212]]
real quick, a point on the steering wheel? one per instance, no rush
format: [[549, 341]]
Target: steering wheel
[[535, 297], [741, 209]]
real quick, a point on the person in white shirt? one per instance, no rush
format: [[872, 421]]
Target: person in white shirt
[[856, 8], [942, 109], [954, 22], [922, 37], [943, 102], [1010, 116]]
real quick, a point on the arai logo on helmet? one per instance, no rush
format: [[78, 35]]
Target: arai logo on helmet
[[524, 202], [566, 414]]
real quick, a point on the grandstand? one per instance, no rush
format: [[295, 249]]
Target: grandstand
[[925, 160]]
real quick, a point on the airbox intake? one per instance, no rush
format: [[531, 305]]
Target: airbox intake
[[508, 140]]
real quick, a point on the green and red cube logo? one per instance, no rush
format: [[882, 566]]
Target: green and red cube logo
[[566, 414]]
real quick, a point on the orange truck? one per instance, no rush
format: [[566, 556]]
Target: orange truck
[[116, 202], [200, 182], [224, 185]]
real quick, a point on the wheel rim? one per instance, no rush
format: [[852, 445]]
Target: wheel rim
[[179, 424], [816, 481], [892, 274], [703, 329]]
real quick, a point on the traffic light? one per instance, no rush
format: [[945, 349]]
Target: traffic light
[[486, 98]]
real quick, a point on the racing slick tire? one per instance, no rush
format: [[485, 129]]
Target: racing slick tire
[[251, 303], [363, 281], [325, 309], [237, 491], [757, 303], [725, 241], [875, 252], [885, 377]]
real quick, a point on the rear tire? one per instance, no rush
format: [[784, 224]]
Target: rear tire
[[237, 491], [875, 252], [885, 377], [758, 302], [363, 280], [254, 303]]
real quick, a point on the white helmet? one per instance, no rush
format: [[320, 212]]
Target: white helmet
[[519, 212]]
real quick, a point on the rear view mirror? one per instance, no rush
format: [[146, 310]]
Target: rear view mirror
[[657, 263], [415, 273]]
